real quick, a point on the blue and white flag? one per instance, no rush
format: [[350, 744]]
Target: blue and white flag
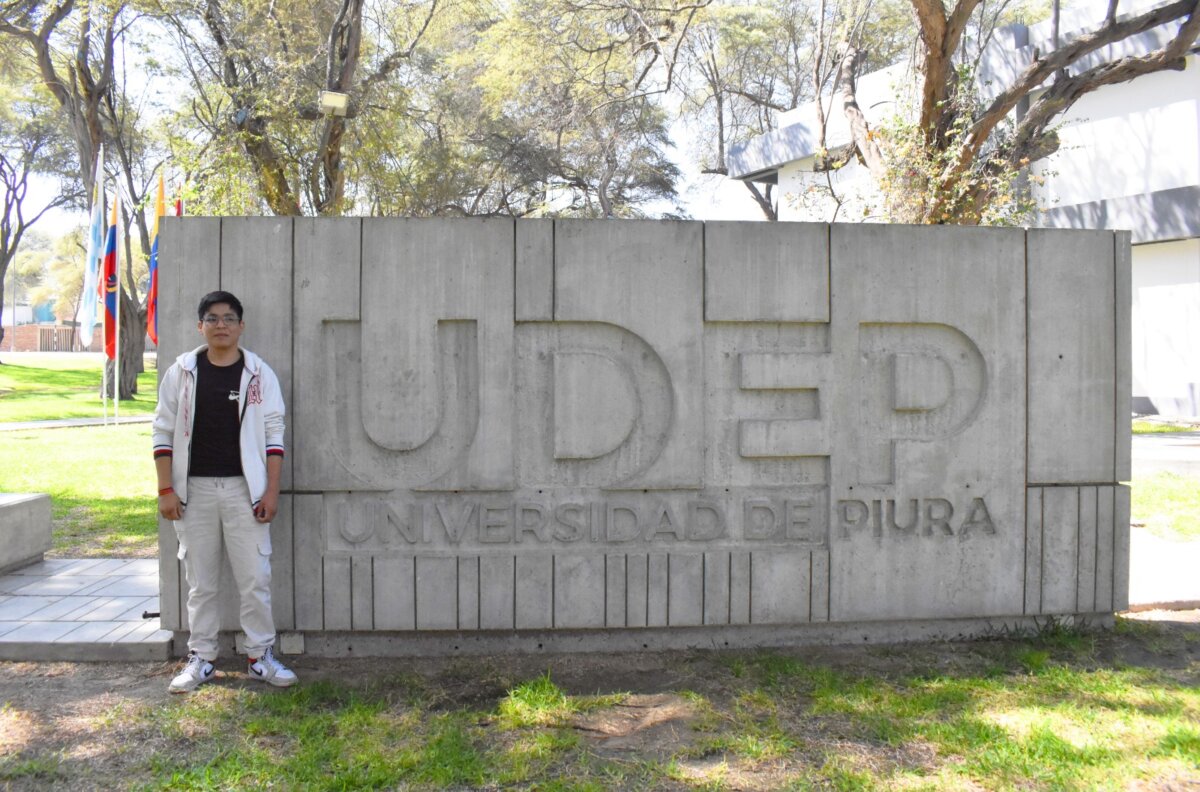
[[95, 252]]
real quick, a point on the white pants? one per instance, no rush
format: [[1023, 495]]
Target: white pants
[[218, 516]]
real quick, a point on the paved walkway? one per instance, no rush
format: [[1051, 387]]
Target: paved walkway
[[1172, 453], [66, 423], [82, 609]]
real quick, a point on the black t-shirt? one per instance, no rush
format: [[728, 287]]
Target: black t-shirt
[[215, 432]]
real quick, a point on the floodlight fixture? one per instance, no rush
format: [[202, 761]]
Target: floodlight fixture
[[332, 102]]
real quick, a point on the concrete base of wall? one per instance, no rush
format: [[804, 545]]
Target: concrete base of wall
[[26, 528], [396, 644]]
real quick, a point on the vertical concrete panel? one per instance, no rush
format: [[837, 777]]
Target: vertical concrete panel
[[1104, 549], [740, 575], [819, 596], [468, 592], [1121, 548], [337, 597], [685, 608], [425, 273], [256, 265], [615, 594], [1085, 593], [395, 593], [766, 273], [535, 271], [497, 586], [535, 592], [658, 584], [362, 593], [928, 349], [282, 567], [308, 519], [190, 267], [579, 599], [1060, 549], [779, 588], [645, 277], [437, 593], [1071, 359], [1033, 551], [1123, 310], [318, 417], [716, 588], [637, 569]]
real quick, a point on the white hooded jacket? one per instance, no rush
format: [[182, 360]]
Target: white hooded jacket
[[260, 405]]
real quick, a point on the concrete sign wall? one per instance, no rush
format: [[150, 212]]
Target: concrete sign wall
[[607, 433]]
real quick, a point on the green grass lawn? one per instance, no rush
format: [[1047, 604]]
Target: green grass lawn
[[1162, 427], [101, 480], [49, 386], [1063, 710], [1168, 504]]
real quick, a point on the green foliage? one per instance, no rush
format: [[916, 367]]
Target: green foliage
[[926, 181]]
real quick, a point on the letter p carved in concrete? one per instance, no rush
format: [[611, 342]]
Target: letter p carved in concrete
[[918, 382]]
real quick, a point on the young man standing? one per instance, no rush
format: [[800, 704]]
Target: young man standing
[[218, 449]]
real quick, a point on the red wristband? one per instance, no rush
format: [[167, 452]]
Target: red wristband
[[165, 491]]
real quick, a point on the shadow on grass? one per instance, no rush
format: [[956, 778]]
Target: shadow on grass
[[86, 527]]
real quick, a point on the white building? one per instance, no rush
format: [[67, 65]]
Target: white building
[[1129, 159]]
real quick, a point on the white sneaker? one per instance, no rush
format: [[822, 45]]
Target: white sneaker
[[268, 669], [194, 674]]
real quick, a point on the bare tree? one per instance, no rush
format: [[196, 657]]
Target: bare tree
[[960, 135]]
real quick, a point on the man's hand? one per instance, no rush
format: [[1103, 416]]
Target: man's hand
[[267, 507], [170, 507]]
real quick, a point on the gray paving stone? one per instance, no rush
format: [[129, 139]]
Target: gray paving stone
[[129, 586], [140, 633], [87, 632], [135, 613], [105, 566], [17, 608], [10, 583], [94, 585], [48, 566], [119, 632], [65, 609], [49, 586], [45, 632], [112, 608]]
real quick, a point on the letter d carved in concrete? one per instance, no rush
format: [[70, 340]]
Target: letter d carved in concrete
[[596, 405]]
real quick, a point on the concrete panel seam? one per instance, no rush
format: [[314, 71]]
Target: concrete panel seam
[[750, 586], [1025, 560], [1042, 551], [1079, 537], [1027, 326]]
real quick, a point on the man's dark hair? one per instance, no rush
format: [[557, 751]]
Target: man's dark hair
[[212, 298]]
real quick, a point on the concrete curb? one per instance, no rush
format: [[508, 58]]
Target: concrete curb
[[116, 652]]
